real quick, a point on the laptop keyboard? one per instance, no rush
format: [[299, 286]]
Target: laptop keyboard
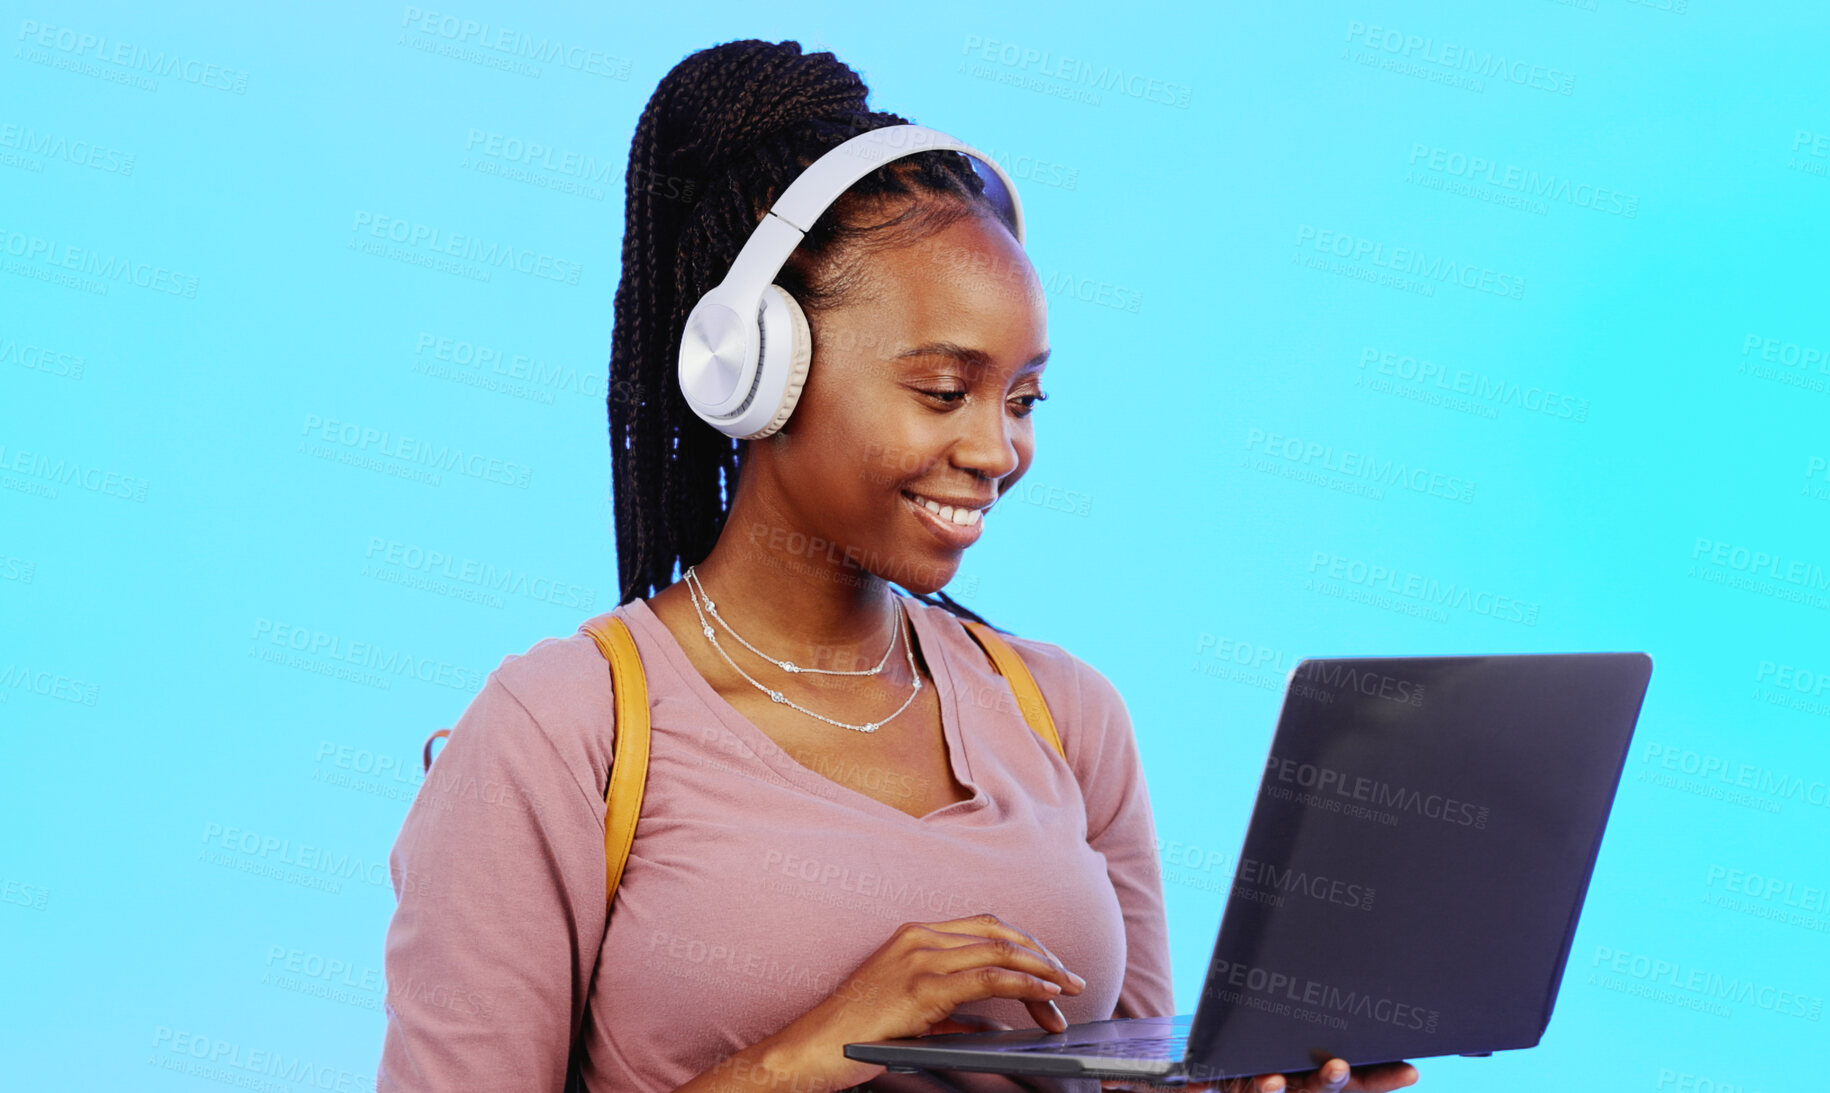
[[1172, 1048]]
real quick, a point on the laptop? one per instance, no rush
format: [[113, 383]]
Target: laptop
[[1409, 884]]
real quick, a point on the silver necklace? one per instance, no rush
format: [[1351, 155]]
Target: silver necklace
[[693, 582], [776, 696]]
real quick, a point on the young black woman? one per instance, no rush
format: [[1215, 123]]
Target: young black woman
[[870, 844]]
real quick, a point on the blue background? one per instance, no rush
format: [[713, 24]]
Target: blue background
[[1253, 243]]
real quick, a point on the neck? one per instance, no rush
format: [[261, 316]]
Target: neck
[[793, 595]]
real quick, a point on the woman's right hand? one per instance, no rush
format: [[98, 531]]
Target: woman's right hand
[[911, 986]]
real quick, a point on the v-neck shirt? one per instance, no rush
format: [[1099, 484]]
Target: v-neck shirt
[[765, 749], [755, 883]]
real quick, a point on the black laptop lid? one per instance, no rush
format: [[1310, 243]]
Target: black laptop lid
[[1413, 871]]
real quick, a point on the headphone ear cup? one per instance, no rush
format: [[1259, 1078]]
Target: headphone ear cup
[[798, 353]]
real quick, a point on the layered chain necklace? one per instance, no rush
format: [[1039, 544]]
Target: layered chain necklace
[[703, 606]]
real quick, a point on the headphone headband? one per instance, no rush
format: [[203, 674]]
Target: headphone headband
[[720, 353], [833, 173]]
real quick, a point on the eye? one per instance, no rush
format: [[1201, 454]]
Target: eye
[[1026, 403], [1029, 403]]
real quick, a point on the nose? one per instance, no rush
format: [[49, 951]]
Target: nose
[[987, 441]]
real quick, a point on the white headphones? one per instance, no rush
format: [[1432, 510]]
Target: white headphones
[[744, 355]]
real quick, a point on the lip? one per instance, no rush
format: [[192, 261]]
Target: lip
[[954, 535], [967, 503]]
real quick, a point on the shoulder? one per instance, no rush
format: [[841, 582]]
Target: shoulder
[[559, 674], [563, 683], [1085, 705], [1061, 673]]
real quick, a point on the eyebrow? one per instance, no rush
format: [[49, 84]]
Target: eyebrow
[[976, 357]]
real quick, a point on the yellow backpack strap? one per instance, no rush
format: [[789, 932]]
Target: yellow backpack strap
[[1022, 684], [629, 766]]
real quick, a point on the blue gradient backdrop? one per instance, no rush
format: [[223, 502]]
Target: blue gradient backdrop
[[1561, 264]]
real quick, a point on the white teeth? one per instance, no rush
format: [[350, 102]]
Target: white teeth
[[961, 517]]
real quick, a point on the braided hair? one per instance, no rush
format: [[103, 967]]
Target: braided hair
[[724, 134]]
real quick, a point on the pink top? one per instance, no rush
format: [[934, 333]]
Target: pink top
[[755, 884]]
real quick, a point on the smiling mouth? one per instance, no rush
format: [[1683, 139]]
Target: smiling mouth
[[958, 516], [955, 526]]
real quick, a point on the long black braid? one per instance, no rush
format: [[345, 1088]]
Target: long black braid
[[724, 134]]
